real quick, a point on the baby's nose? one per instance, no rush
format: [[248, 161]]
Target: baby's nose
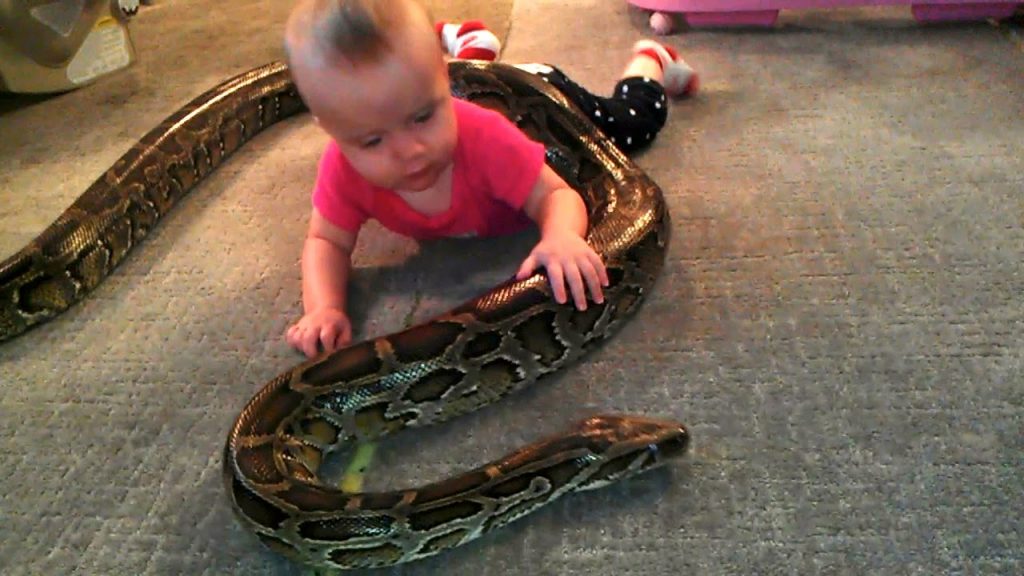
[[409, 146]]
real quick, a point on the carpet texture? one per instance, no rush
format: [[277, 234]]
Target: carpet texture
[[839, 322]]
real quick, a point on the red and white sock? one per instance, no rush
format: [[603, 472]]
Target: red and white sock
[[469, 40], [680, 78]]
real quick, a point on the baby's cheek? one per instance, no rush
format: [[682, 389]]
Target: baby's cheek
[[375, 168], [449, 134]]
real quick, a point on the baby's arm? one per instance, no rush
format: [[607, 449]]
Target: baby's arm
[[561, 216], [326, 263]]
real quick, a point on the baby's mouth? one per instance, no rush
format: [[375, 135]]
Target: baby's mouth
[[418, 173]]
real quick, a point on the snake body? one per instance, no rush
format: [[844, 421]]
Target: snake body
[[459, 361]]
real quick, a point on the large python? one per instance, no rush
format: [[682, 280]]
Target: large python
[[466, 358]]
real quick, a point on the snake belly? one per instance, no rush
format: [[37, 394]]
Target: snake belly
[[469, 357]]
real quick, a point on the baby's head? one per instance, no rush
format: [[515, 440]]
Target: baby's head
[[374, 76]]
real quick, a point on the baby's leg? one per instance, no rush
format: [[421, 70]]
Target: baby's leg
[[631, 118], [637, 109], [660, 61], [469, 40]]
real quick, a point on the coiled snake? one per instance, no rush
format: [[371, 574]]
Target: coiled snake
[[455, 363]]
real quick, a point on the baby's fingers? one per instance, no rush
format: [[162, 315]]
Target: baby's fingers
[[336, 334], [602, 271], [526, 268], [575, 281], [342, 335], [309, 341], [593, 279], [329, 337], [346, 335], [557, 280], [294, 336]]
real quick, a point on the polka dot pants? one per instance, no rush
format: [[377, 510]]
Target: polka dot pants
[[631, 117]]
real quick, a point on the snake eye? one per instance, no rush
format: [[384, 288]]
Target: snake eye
[[652, 450]]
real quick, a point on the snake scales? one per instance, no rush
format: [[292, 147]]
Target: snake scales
[[455, 363]]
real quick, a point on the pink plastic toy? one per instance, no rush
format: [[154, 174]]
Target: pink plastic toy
[[702, 13]]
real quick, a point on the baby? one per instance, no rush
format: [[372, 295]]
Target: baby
[[403, 151]]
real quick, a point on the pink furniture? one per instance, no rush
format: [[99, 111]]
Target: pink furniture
[[700, 13]]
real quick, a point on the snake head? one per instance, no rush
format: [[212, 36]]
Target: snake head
[[627, 445]]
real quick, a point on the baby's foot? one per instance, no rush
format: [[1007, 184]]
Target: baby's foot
[[680, 78], [469, 40]]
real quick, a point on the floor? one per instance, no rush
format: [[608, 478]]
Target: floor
[[839, 322]]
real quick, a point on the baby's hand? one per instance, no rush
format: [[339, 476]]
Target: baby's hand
[[568, 259], [329, 327]]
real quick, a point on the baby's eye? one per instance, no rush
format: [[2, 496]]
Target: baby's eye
[[424, 117], [371, 142]]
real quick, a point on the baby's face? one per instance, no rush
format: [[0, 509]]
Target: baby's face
[[392, 118]]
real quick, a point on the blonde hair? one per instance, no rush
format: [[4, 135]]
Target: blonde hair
[[356, 30]]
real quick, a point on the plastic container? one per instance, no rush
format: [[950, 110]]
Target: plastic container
[[59, 45]]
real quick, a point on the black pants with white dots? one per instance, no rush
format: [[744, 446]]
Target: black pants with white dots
[[631, 117]]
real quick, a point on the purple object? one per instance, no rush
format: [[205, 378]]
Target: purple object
[[701, 13]]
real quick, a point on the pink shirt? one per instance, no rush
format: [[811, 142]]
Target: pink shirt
[[495, 168]]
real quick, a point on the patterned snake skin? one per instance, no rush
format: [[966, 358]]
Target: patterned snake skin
[[462, 360]]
